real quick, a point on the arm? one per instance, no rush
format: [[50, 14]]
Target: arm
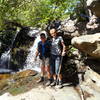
[[63, 46], [37, 53], [64, 49]]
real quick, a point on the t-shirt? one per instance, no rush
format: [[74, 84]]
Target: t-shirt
[[43, 49], [55, 45]]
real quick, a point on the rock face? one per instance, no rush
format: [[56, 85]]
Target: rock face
[[94, 6], [89, 44], [69, 28], [91, 85]]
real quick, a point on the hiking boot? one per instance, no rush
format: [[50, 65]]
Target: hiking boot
[[60, 85], [53, 83], [48, 82], [40, 80]]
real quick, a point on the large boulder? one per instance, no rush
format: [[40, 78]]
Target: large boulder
[[89, 44], [91, 85], [94, 6]]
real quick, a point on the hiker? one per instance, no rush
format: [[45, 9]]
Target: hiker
[[43, 50], [56, 56]]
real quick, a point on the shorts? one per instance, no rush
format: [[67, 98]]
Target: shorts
[[55, 62], [45, 62]]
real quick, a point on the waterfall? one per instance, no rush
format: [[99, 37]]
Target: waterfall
[[6, 57], [5, 62], [14, 39], [30, 63]]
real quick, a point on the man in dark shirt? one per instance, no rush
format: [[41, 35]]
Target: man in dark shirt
[[43, 51]]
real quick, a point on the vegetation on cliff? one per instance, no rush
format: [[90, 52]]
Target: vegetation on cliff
[[35, 12]]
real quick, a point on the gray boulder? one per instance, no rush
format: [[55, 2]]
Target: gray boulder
[[69, 28], [89, 44]]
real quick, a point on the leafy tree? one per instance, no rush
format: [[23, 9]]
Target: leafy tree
[[34, 12]]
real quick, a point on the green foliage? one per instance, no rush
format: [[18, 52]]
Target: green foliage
[[71, 50], [34, 12], [6, 38]]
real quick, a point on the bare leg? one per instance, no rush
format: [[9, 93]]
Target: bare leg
[[48, 75], [48, 72], [42, 74], [54, 77], [42, 71], [60, 77]]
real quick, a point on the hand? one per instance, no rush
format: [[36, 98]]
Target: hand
[[35, 59], [63, 53]]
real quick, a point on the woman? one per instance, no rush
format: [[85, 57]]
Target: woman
[[56, 56]]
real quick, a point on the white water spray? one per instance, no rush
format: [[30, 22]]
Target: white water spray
[[6, 57], [5, 62], [30, 63]]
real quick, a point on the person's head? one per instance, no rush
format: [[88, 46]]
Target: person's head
[[43, 37], [53, 32]]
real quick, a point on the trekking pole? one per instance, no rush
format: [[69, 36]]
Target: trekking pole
[[81, 93], [60, 66]]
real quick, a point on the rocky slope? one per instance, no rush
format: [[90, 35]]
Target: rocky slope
[[89, 89]]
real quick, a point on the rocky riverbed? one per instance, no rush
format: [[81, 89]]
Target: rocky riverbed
[[23, 86]]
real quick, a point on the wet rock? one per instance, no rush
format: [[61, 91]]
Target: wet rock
[[18, 82], [26, 73], [89, 44], [4, 76]]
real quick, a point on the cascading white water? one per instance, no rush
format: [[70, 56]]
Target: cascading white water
[[6, 57], [5, 61], [30, 63]]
